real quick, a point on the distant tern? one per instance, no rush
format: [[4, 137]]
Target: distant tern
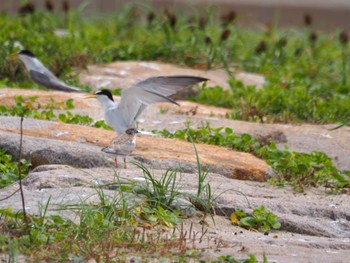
[[134, 100], [40, 74], [122, 145]]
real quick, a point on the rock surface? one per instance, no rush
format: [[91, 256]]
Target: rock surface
[[57, 143], [314, 224], [68, 164]]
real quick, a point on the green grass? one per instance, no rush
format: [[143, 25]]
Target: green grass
[[306, 80], [117, 226], [33, 109], [298, 103], [102, 233], [134, 221]]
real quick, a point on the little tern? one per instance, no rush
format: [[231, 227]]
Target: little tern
[[40, 74], [122, 145], [134, 100]]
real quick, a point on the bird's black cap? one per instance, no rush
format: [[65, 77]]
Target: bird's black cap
[[26, 52], [105, 92]]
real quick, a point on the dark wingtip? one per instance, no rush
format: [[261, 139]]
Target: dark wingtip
[[164, 97], [201, 79], [26, 52], [196, 78]]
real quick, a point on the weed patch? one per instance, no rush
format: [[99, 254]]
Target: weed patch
[[261, 219], [9, 169], [136, 221], [97, 235], [275, 104], [33, 109]]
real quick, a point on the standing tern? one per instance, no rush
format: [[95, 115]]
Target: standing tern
[[122, 145], [134, 100], [40, 74]]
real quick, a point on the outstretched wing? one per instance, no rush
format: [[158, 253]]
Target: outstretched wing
[[156, 89], [48, 80]]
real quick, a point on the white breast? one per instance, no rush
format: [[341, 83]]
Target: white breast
[[32, 63]]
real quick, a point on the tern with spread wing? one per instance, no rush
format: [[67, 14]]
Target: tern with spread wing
[[134, 100], [40, 74]]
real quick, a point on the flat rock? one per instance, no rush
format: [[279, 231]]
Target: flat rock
[[58, 143], [313, 224], [40, 151]]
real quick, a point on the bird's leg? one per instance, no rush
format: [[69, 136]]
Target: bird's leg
[[116, 162], [125, 163]]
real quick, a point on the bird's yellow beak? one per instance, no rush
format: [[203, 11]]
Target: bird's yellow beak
[[14, 55], [90, 96]]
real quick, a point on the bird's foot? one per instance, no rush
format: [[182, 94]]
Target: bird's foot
[[125, 164], [116, 163]]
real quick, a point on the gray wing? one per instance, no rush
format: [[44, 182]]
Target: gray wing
[[168, 86], [50, 81], [135, 99]]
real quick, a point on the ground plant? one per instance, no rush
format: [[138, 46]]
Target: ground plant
[[52, 111], [136, 222], [9, 168], [261, 219]]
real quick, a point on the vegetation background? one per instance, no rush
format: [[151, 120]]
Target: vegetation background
[[307, 81]]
